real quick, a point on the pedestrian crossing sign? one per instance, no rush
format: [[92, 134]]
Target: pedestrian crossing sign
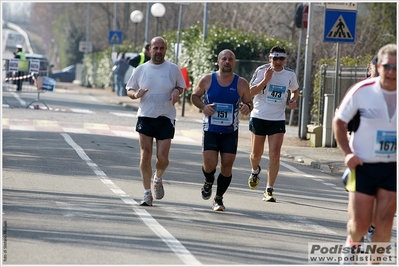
[[340, 26], [115, 37]]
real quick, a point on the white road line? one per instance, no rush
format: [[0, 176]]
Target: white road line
[[77, 110], [22, 128], [20, 100], [133, 115], [153, 224], [330, 184], [76, 130]]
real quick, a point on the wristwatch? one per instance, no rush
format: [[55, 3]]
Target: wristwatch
[[249, 106]]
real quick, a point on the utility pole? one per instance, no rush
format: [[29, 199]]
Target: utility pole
[[205, 23], [115, 14], [308, 76], [147, 22], [87, 30]]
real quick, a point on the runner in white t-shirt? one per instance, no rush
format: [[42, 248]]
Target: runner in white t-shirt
[[270, 86], [158, 84], [370, 154]]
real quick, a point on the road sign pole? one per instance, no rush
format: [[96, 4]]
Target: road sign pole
[[336, 87], [298, 62]]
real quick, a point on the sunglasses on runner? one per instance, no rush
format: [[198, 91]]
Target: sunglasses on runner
[[389, 67], [278, 58]]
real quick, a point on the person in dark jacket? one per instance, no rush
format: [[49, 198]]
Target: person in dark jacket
[[141, 58]]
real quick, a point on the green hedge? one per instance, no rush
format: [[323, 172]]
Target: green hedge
[[197, 56]]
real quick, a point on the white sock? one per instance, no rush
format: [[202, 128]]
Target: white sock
[[255, 171], [269, 187], [156, 178], [147, 191]]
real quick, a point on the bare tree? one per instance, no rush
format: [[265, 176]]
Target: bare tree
[[271, 19]]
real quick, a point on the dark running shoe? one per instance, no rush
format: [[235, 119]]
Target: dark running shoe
[[206, 190], [253, 179], [218, 204], [268, 195]]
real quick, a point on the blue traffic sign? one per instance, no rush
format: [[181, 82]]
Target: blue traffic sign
[[340, 26], [115, 37]]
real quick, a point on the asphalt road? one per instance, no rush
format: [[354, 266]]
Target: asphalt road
[[71, 188]]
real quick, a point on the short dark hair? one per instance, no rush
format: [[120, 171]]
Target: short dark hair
[[147, 47], [277, 48]]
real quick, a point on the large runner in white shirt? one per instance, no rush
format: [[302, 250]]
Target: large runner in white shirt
[[375, 139]]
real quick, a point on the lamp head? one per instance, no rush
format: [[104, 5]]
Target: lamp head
[[136, 16], [158, 10]]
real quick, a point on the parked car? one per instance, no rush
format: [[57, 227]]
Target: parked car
[[67, 74]]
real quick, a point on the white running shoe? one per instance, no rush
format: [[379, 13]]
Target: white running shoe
[[159, 192], [352, 251], [147, 200]]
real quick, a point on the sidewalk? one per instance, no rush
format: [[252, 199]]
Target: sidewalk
[[328, 160]]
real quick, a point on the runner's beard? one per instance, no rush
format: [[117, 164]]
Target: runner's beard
[[227, 69], [158, 58]]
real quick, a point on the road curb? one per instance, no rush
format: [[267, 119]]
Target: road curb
[[312, 163]]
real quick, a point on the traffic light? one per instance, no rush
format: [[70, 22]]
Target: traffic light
[[298, 16]]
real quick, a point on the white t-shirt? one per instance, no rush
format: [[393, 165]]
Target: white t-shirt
[[270, 103], [375, 139], [160, 80]]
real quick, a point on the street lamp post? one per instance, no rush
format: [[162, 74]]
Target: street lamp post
[[157, 10], [136, 16], [178, 49]]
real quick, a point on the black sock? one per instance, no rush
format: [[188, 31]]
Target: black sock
[[209, 177], [223, 184]]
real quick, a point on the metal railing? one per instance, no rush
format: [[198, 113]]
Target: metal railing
[[23, 73], [347, 77], [25, 77]]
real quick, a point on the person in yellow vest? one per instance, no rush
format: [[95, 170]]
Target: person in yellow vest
[[141, 57], [22, 65]]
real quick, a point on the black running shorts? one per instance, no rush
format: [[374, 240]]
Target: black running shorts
[[224, 143], [266, 127], [367, 178], [160, 128]]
